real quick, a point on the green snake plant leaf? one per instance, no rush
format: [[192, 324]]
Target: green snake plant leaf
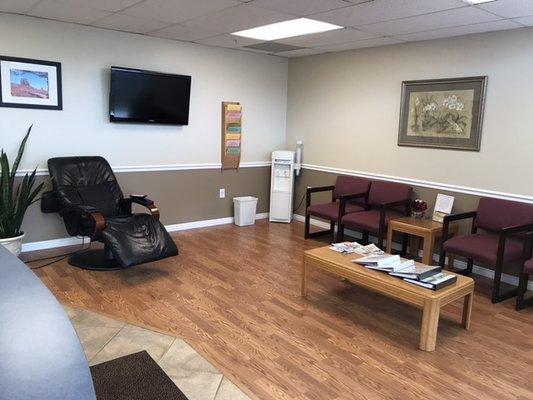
[[16, 163], [15, 199]]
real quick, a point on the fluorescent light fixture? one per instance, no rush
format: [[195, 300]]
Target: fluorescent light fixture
[[285, 29], [479, 1]]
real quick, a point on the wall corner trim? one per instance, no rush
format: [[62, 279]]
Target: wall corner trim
[[422, 183], [163, 167]]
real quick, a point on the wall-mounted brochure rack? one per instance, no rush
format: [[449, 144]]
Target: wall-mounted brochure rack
[[231, 134]]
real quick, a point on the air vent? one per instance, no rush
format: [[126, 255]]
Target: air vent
[[273, 47]]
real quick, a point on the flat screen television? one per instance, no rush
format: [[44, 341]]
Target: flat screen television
[[149, 97]]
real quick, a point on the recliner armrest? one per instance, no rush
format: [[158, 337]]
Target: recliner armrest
[[144, 201], [91, 212]]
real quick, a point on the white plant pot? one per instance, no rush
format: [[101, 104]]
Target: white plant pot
[[13, 244]]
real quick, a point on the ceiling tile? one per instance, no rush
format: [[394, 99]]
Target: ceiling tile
[[17, 6], [509, 8], [360, 44], [300, 53], [126, 23], [238, 18], [443, 19], [81, 15], [175, 11], [461, 30], [105, 5], [331, 37], [302, 8], [384, 10], [527, 21], [184, 33], [227, 40]]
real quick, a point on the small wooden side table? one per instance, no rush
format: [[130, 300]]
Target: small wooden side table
[[417, 228]]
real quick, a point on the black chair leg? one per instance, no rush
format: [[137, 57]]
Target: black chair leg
[[496, 296], [522, 287], [332, 227], [340, 233], [307, 225], [442, 259], [469, 267], [365, 237], [404, 244], [380, 241]]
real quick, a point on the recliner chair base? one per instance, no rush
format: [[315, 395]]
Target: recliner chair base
[[95, 260]]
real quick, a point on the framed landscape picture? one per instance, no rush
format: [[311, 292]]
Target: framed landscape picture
[[26, 83], [442, 113]]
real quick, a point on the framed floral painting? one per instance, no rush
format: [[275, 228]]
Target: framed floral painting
[[442, 113]]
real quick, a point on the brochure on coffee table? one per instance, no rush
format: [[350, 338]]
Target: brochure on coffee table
[[381, 262], [416, 271], [435, 282]]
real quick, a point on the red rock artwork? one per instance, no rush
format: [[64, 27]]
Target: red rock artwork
[[32, 84]]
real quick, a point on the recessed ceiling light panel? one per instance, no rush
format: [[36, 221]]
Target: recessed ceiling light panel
[[285, 29]]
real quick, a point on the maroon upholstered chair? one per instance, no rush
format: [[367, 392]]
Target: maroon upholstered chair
[[527, 270], [503, 224], [351, 189], [386, 201]]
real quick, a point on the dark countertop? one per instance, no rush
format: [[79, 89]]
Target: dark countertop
[[40, 354]]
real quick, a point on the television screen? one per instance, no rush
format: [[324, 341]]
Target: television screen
[[150, 97]]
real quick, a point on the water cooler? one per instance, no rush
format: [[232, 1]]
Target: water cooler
[[282, 186]]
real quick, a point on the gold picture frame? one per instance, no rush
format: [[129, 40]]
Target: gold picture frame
[[443, 113]]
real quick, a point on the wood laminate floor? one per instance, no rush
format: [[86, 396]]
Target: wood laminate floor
[[233, 294]]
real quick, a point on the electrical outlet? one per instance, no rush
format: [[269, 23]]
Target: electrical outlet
[[222, 193]]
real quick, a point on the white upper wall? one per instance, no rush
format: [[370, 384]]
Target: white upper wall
[[345, 107], [258, 81]]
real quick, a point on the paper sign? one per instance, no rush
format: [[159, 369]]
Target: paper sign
[[233, 150], [443, 207], [233, 115], [233, 143], [234, 128], [233, 107]]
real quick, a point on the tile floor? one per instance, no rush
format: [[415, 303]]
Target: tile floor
[[105, 338]]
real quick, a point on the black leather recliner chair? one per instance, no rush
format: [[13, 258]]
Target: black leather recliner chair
[[88, 197]]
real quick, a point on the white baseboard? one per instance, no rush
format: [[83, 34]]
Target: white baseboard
[[70, 241], [459, 264], [51, 244], [206, 223]]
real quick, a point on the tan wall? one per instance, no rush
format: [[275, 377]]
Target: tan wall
[[345, 107], [182, 196]]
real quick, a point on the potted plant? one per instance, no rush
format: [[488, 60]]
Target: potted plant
[[15, 199]]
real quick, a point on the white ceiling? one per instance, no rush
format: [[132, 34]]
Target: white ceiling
[[369, 23]]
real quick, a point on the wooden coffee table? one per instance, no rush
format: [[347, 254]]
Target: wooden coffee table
[[429, 301]]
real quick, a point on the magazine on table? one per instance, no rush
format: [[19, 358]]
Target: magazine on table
[[434, 282], [416, 271], [384, 262], [354, 247]]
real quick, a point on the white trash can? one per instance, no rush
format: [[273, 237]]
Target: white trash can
[[245, 208]]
